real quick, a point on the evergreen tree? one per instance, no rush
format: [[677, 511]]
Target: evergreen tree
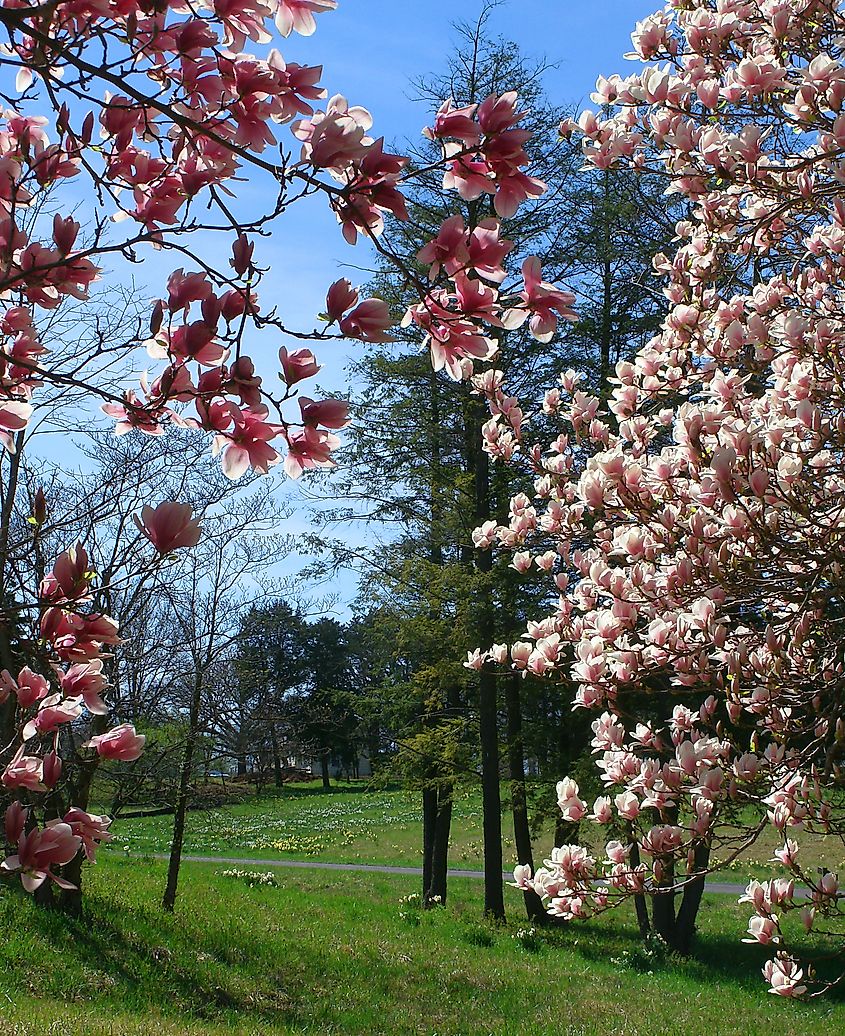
[[415, 466]]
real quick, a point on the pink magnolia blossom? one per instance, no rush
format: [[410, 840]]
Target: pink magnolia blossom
[[29, 687], [475, 660], [38, 851], [90, 828], [24, 771], [784, 976], [298, 15], [340, 297], [169, 525], [544, 302], [15, 821], [330, 413], [336, 138], [572, 807], [247, 445], [522, 877], [120, 743], [14, 417], [298, 365], [70, 578], [52, 770], [78, 638], [309, 447], [53, 712], [368, 321], [457, 123], [448, 250], [87, 681]]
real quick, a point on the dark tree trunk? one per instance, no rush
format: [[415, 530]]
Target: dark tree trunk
[[43, 895], [70, 900], [606, 329], [440, 845], [429, 803], [519, 807], [678, 929], [242, 765], [373, 747], [494, 903], [691, 901], [663, 903], [570, 742], [479, 465], [277, 762], [324, 771], [663, 914], [169, 898], [640, 905], [8, 710], [566, 832]]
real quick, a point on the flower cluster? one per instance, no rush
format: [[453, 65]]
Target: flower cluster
[[47, 708], [181, 112], [485, 147], [255, 879], [690, 526]]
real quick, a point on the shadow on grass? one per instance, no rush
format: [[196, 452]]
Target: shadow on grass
[[233, 957], [136, 958], [718, 955]]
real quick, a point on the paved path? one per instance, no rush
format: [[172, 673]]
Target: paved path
[[724, 888]]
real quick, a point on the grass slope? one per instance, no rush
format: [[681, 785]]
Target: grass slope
[[333, 954]]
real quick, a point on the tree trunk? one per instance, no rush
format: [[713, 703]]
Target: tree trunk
[[8, 710], [324, 770], [691, 901], [373, 747], [640, 905], [663, 903], [606, 331], [478, 464], [169, 898], [43, 895], [519, 807], [568, 746], [242, 765], [70, 900], [277, 762], [440, 845], [663, 914], [429, 803], [494, 903]]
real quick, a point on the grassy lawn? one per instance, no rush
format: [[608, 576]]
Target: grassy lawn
[[349, 825], [355, 825], [332, 954]]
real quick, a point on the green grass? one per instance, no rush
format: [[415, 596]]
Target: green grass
[[331, 954], [355, 825], [349, 825]]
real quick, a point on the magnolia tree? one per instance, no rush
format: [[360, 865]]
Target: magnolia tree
[[128, 127], [692, 530]]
